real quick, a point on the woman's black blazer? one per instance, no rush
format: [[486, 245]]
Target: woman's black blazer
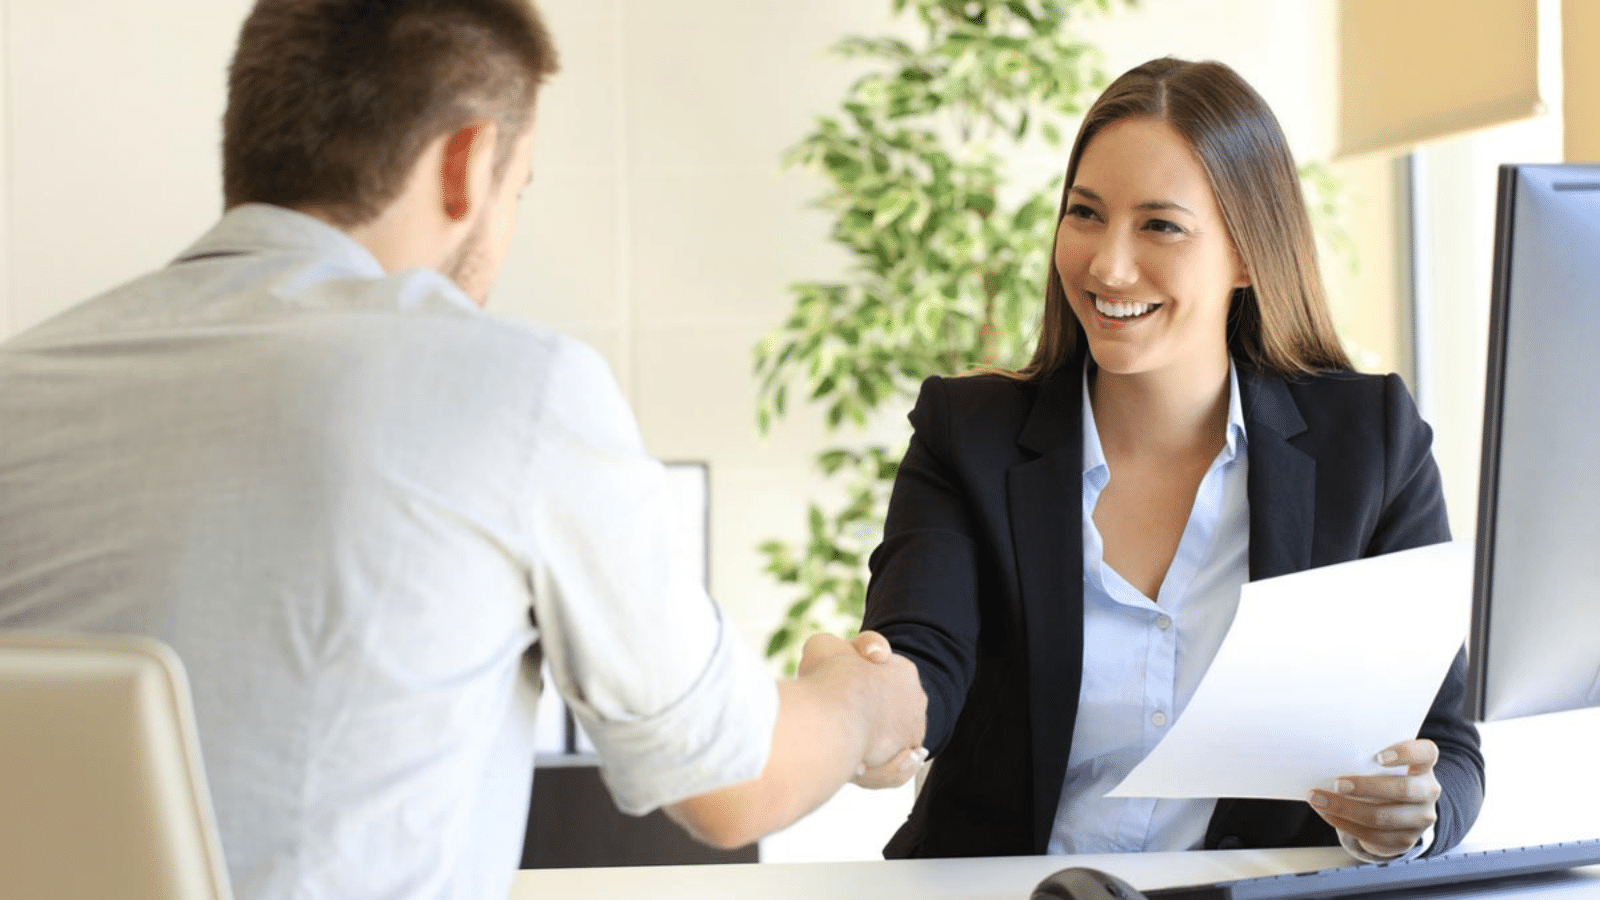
[[979, 581]]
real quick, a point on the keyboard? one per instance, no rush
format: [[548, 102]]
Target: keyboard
[[1367, 880]]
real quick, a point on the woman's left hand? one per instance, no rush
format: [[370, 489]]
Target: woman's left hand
[[1386, 814]]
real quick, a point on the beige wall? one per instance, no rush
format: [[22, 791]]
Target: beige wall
[[113, 117]]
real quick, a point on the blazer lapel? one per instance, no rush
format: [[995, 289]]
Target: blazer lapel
[[1045, 497], [1283, 478]]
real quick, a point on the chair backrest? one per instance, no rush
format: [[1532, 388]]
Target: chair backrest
[[102, 789]]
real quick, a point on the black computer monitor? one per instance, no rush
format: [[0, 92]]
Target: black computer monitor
[[1535, 641]]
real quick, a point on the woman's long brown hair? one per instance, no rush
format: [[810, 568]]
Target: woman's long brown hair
[[1280, 323]]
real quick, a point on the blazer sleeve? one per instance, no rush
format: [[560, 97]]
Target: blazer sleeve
[[923, 592], [1414, 516]]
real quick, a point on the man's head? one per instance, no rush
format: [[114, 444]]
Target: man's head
[[402, 122]]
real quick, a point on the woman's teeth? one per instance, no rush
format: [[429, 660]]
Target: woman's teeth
[[1119, 309]]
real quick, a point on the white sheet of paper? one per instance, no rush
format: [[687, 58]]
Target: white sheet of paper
[[1320, 671]]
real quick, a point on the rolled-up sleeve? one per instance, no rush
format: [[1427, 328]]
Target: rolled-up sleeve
[[675, 703]]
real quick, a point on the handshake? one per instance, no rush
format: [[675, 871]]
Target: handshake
[[882, 695], [854, 712]]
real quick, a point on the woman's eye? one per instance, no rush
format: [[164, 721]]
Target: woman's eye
[[1164, 226], [1079, 211]]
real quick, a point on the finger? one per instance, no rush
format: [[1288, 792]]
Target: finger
[[899, 769], [1419, 755], [1369, 817], [873, 646], [1378, 842], [1422, 788]]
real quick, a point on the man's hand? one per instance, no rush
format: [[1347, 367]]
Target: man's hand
[[1386, 814], [849, 707], [903, 766], [893, 699]]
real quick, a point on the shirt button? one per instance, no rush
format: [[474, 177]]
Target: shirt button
[[1159, 719], [1163, 623]]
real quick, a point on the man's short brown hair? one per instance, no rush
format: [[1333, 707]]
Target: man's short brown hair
[[331, 101]]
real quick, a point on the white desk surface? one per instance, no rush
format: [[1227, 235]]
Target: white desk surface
[[1000, 878]]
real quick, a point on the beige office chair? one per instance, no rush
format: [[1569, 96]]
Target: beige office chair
[[102, 791]]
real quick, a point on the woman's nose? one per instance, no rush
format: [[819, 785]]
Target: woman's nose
[[1113, 262]]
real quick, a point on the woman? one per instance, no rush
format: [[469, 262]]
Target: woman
[[1065, 544]]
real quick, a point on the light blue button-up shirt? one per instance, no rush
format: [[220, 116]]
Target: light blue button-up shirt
[[1143, 658]]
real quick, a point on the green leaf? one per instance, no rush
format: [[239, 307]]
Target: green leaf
[[780, 641], [893, 205], [830, 461]]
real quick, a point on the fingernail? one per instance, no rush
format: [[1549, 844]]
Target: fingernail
[[861, 770], [1344, 786], [1388, 757], [922, 754], [1318, 800]]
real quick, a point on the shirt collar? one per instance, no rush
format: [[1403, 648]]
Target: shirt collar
[[256, 227], [1237, 435], [1094, 455]]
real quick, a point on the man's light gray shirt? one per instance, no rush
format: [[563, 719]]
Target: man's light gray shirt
[[361, 509]]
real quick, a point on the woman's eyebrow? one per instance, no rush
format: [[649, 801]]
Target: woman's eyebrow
[[1161, 205], [1091, 195], [1149, 205]]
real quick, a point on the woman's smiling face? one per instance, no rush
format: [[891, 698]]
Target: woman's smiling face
[[1144, 257]]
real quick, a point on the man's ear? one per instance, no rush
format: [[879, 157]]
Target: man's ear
[[467, 168]]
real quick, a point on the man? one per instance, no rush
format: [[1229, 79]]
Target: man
[[361, 510]]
